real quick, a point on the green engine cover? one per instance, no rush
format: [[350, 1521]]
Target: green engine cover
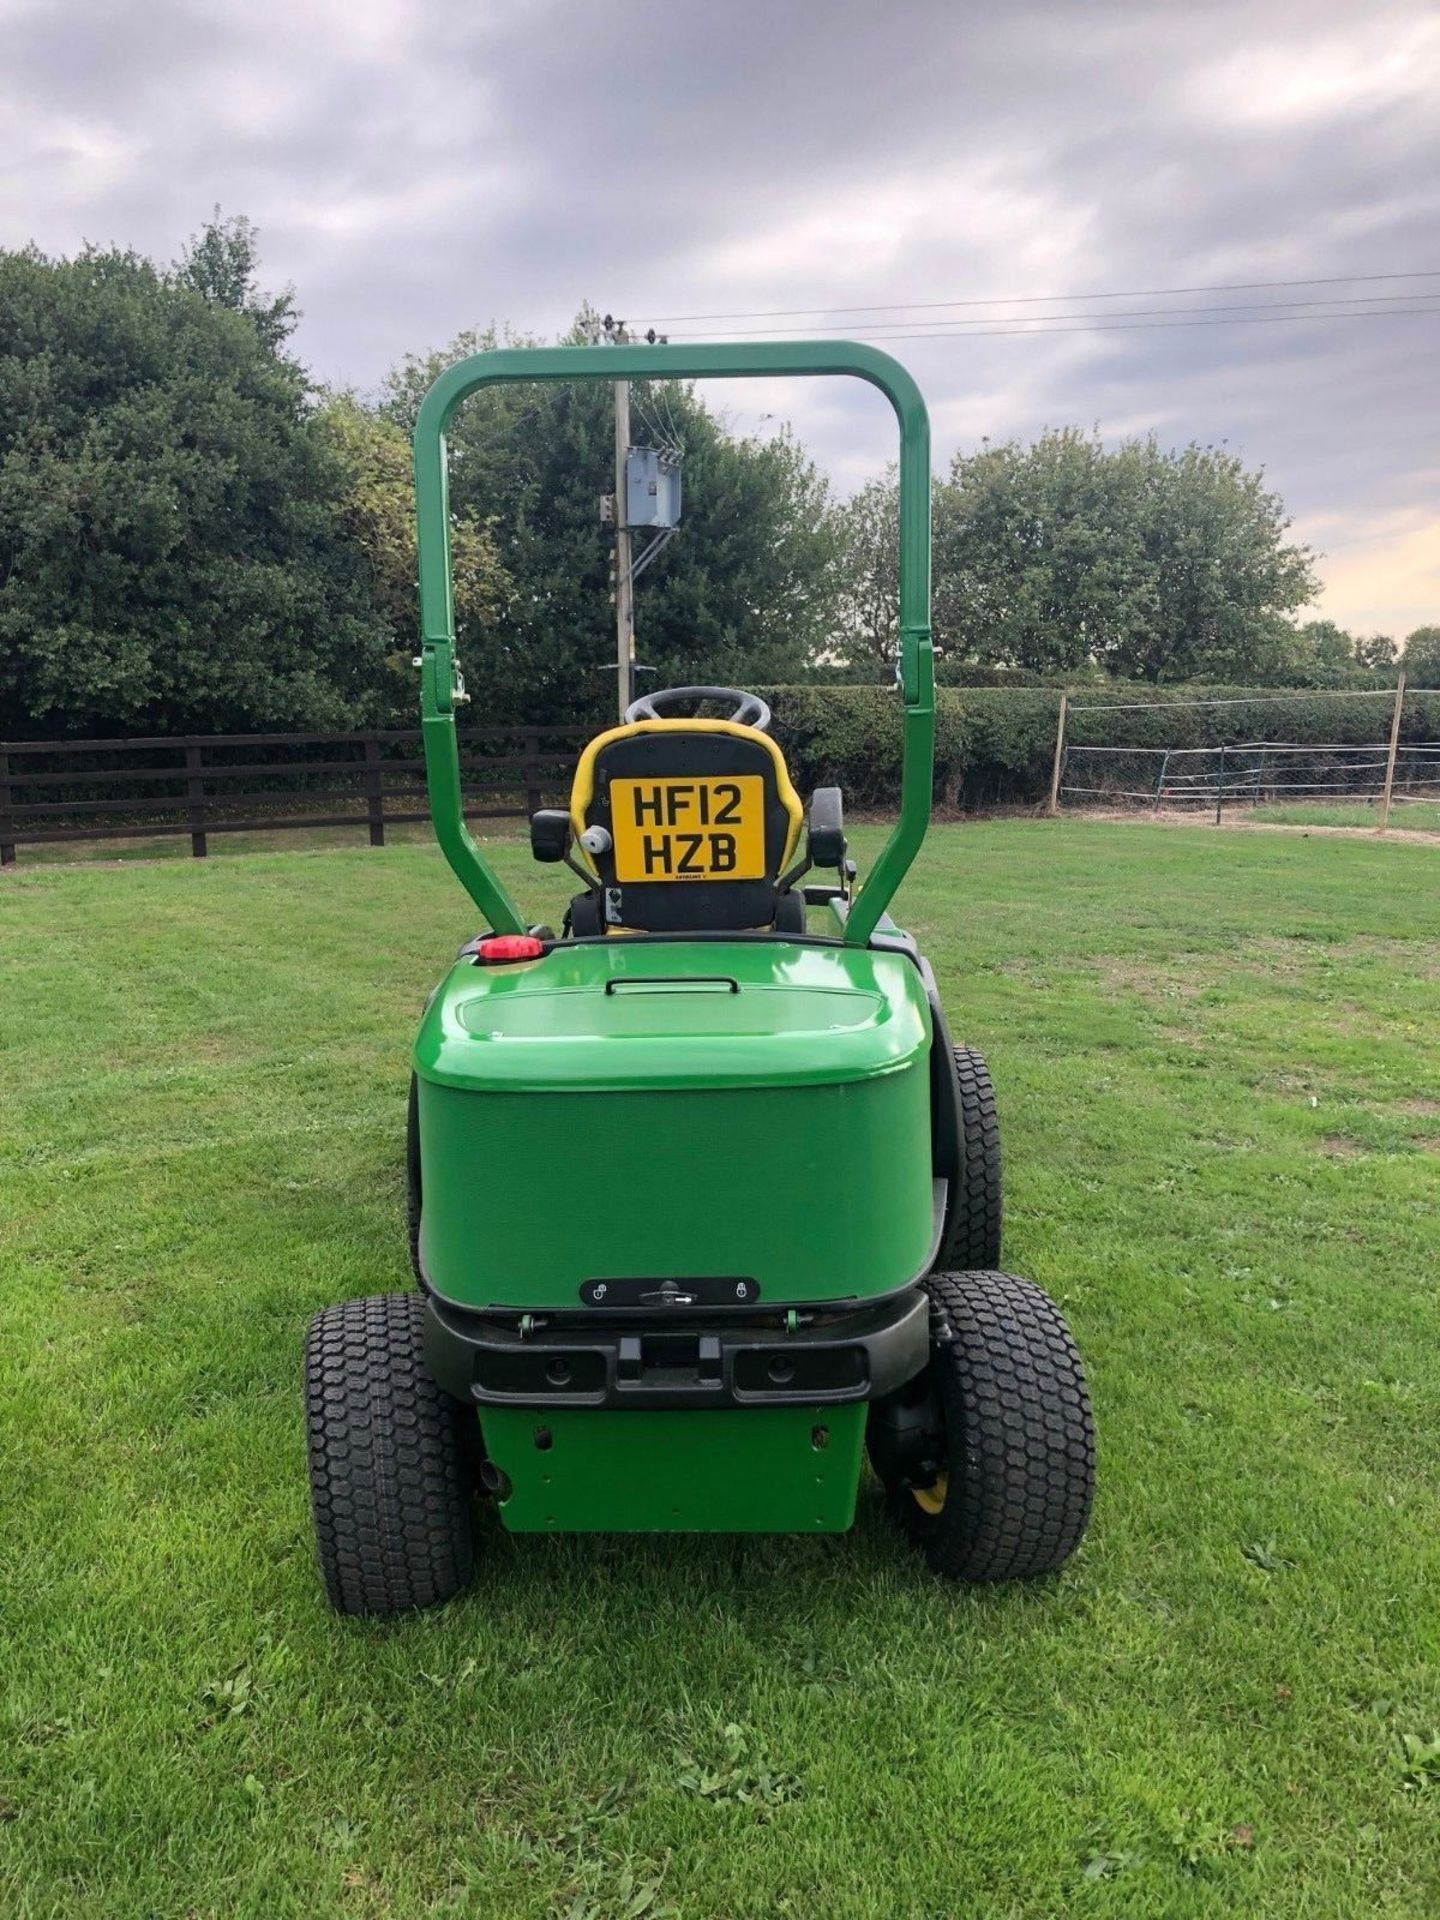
[[676, 1110]]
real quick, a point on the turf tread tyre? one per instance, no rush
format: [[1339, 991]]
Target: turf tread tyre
[[389, 1485], [971, 1241], [1019, 1436]]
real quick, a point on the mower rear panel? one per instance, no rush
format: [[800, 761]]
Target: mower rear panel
[[620, 1115], [763, 1470]]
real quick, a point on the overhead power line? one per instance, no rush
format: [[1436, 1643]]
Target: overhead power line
[[1123, 326], [1049, 299], [1382, 302]]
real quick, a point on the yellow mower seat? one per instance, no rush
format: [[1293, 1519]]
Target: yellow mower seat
[[698, 824]]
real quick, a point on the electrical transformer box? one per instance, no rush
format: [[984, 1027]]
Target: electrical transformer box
[[652, 488]]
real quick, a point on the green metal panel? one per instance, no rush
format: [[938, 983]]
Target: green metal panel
[[741, 1470], [626, 1014], [437, 613], [814, 1193], [673, 1128]]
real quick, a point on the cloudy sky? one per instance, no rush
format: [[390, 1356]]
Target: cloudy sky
[[416, 168]]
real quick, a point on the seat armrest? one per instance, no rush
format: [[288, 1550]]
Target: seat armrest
[[550, 835], [826, 827]]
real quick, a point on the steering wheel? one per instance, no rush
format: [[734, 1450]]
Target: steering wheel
[[749, 710]]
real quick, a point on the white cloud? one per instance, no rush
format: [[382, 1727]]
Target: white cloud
[[1306, 80]]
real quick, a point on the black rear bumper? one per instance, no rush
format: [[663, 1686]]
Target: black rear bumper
[[826, 1358]]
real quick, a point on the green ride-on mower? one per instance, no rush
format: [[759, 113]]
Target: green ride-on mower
[[704, 1204]]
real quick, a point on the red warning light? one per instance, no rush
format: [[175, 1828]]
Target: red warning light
[[503, 947]]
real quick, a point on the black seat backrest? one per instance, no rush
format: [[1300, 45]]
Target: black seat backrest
[[702, 822]]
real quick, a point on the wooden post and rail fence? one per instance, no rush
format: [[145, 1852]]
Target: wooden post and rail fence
[[52, 791]]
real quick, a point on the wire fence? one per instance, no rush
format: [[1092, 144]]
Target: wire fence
[[1255, 772], [1389, 773]]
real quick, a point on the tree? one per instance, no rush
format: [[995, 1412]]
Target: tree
[[744, 592], [1034, 567], [1317, 654], [1325, 645], [377, 515], [1378, 652], [222, 264], [868, 527], [1150, 564], [1421, 659], [171, 555], [1322, 654]]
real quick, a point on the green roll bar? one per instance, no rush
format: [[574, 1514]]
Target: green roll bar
[[437, 606]]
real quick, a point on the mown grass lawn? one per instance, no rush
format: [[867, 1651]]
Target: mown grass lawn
[[1218, 1058], [1411, 816]]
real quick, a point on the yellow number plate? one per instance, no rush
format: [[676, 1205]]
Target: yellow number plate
[[689, 829]]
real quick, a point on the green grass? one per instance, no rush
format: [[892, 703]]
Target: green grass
[[1415, 816], [1219, 1079]]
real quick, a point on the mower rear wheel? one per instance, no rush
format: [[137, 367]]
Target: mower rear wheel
[[971, 1240], [389, 1481], [1012, 1440]]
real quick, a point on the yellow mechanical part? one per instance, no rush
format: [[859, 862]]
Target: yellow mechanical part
[[582, 788], [932, 1499]]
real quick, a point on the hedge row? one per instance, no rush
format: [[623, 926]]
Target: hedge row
[[995, 746]]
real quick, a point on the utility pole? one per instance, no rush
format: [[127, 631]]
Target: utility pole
[[624, 577], [616, 335], [658, 482]]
